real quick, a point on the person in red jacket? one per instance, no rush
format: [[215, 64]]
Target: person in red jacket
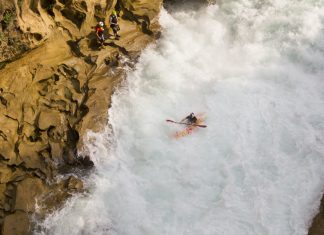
[[100, 32]]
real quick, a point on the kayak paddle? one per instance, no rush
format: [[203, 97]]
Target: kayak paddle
[[183, 123]]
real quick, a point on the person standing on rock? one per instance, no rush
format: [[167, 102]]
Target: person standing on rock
[[100, 32], [113, 21]]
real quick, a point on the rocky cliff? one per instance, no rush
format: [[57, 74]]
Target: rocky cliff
[[55, 84]]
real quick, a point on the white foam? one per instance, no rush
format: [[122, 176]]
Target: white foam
[[257, 72]]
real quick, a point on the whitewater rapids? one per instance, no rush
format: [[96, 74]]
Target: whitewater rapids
[[256, 69]]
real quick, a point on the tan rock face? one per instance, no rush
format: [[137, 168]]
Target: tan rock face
[[2, 196], [27, 192], [11, 224], [52, 95], [27, 24]]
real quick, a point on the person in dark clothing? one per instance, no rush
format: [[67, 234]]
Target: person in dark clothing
[[190, 119], [113, 21]]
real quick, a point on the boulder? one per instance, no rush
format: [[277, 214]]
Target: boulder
[[27, 193], [74, 184], [11, 227]]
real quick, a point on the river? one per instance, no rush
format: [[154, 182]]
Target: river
[[256, 70]]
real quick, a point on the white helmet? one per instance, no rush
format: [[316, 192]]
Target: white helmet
[[101, 23]]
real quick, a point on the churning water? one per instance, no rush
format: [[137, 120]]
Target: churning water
[[256, 69]]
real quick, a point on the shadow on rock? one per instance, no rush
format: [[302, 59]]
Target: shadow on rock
[[75, 48]]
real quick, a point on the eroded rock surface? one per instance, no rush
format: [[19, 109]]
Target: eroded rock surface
[[53, 91]]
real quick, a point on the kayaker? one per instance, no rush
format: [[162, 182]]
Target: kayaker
[[190, 119]]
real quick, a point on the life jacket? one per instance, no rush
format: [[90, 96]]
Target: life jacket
[[113, 19], [99, 29], [192, 118]]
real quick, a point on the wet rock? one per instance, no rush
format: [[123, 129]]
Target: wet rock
[[86, 161], [27, 193], [70, 156], [317, 226], [113, 60], [52, 200], [59, 193], [74, 184], [72, 137]]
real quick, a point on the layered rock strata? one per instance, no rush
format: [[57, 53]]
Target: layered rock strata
[[53, 90]]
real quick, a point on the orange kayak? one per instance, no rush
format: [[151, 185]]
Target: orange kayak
[[190, 129]]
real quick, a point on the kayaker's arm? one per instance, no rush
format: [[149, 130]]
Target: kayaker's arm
[[185, 119]]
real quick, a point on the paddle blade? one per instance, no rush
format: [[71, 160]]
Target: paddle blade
[[203, 126]]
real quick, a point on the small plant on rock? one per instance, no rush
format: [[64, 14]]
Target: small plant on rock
[[20, 2], [7, 17]]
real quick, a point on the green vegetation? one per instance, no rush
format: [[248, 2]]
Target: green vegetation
[[20, 2], [7, 17], [50, 7]]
